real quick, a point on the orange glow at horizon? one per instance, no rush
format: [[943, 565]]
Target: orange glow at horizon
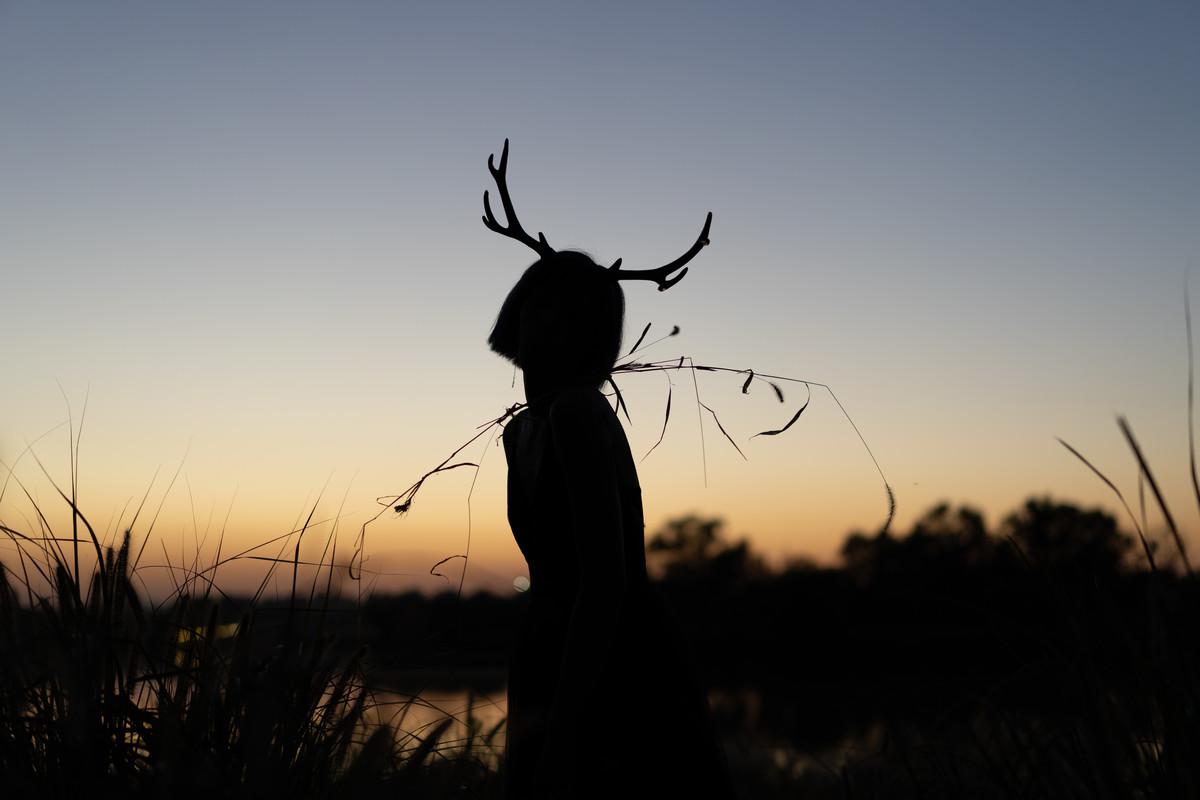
[[250, 239], [798, 495]]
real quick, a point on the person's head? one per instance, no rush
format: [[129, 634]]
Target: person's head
[[563, 319]]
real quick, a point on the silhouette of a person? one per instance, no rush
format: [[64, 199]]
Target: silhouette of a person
[[602, 697]]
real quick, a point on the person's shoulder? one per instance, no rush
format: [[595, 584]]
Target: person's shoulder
[[581, 419], [580, 428], [579, 404]]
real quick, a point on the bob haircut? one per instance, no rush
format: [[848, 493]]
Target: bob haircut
[[565, 316]]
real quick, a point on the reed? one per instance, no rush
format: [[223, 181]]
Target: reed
[[102, 690]]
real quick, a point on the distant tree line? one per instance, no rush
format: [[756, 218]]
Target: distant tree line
[[930, 623]]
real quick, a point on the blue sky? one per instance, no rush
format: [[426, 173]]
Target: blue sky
[[252, 232]]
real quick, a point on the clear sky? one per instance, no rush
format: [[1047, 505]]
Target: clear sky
[[249, 234]]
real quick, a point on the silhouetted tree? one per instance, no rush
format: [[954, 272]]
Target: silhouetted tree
[[691, 548], [944, 541], [1065, 538]]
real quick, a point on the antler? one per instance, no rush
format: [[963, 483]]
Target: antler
[[514, 229], [659, 275]]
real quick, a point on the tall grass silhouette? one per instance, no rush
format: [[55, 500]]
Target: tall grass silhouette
[[102, 689]]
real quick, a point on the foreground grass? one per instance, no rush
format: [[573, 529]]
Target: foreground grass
[[103, 692]]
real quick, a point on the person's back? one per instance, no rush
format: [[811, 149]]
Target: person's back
[[646, 722]]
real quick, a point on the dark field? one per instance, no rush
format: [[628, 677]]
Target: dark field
[[1048, 657]]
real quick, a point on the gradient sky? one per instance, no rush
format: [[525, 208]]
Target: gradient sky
[[249, 234]]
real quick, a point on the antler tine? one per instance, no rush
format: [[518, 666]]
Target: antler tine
[[514, 229], [660, 274]]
